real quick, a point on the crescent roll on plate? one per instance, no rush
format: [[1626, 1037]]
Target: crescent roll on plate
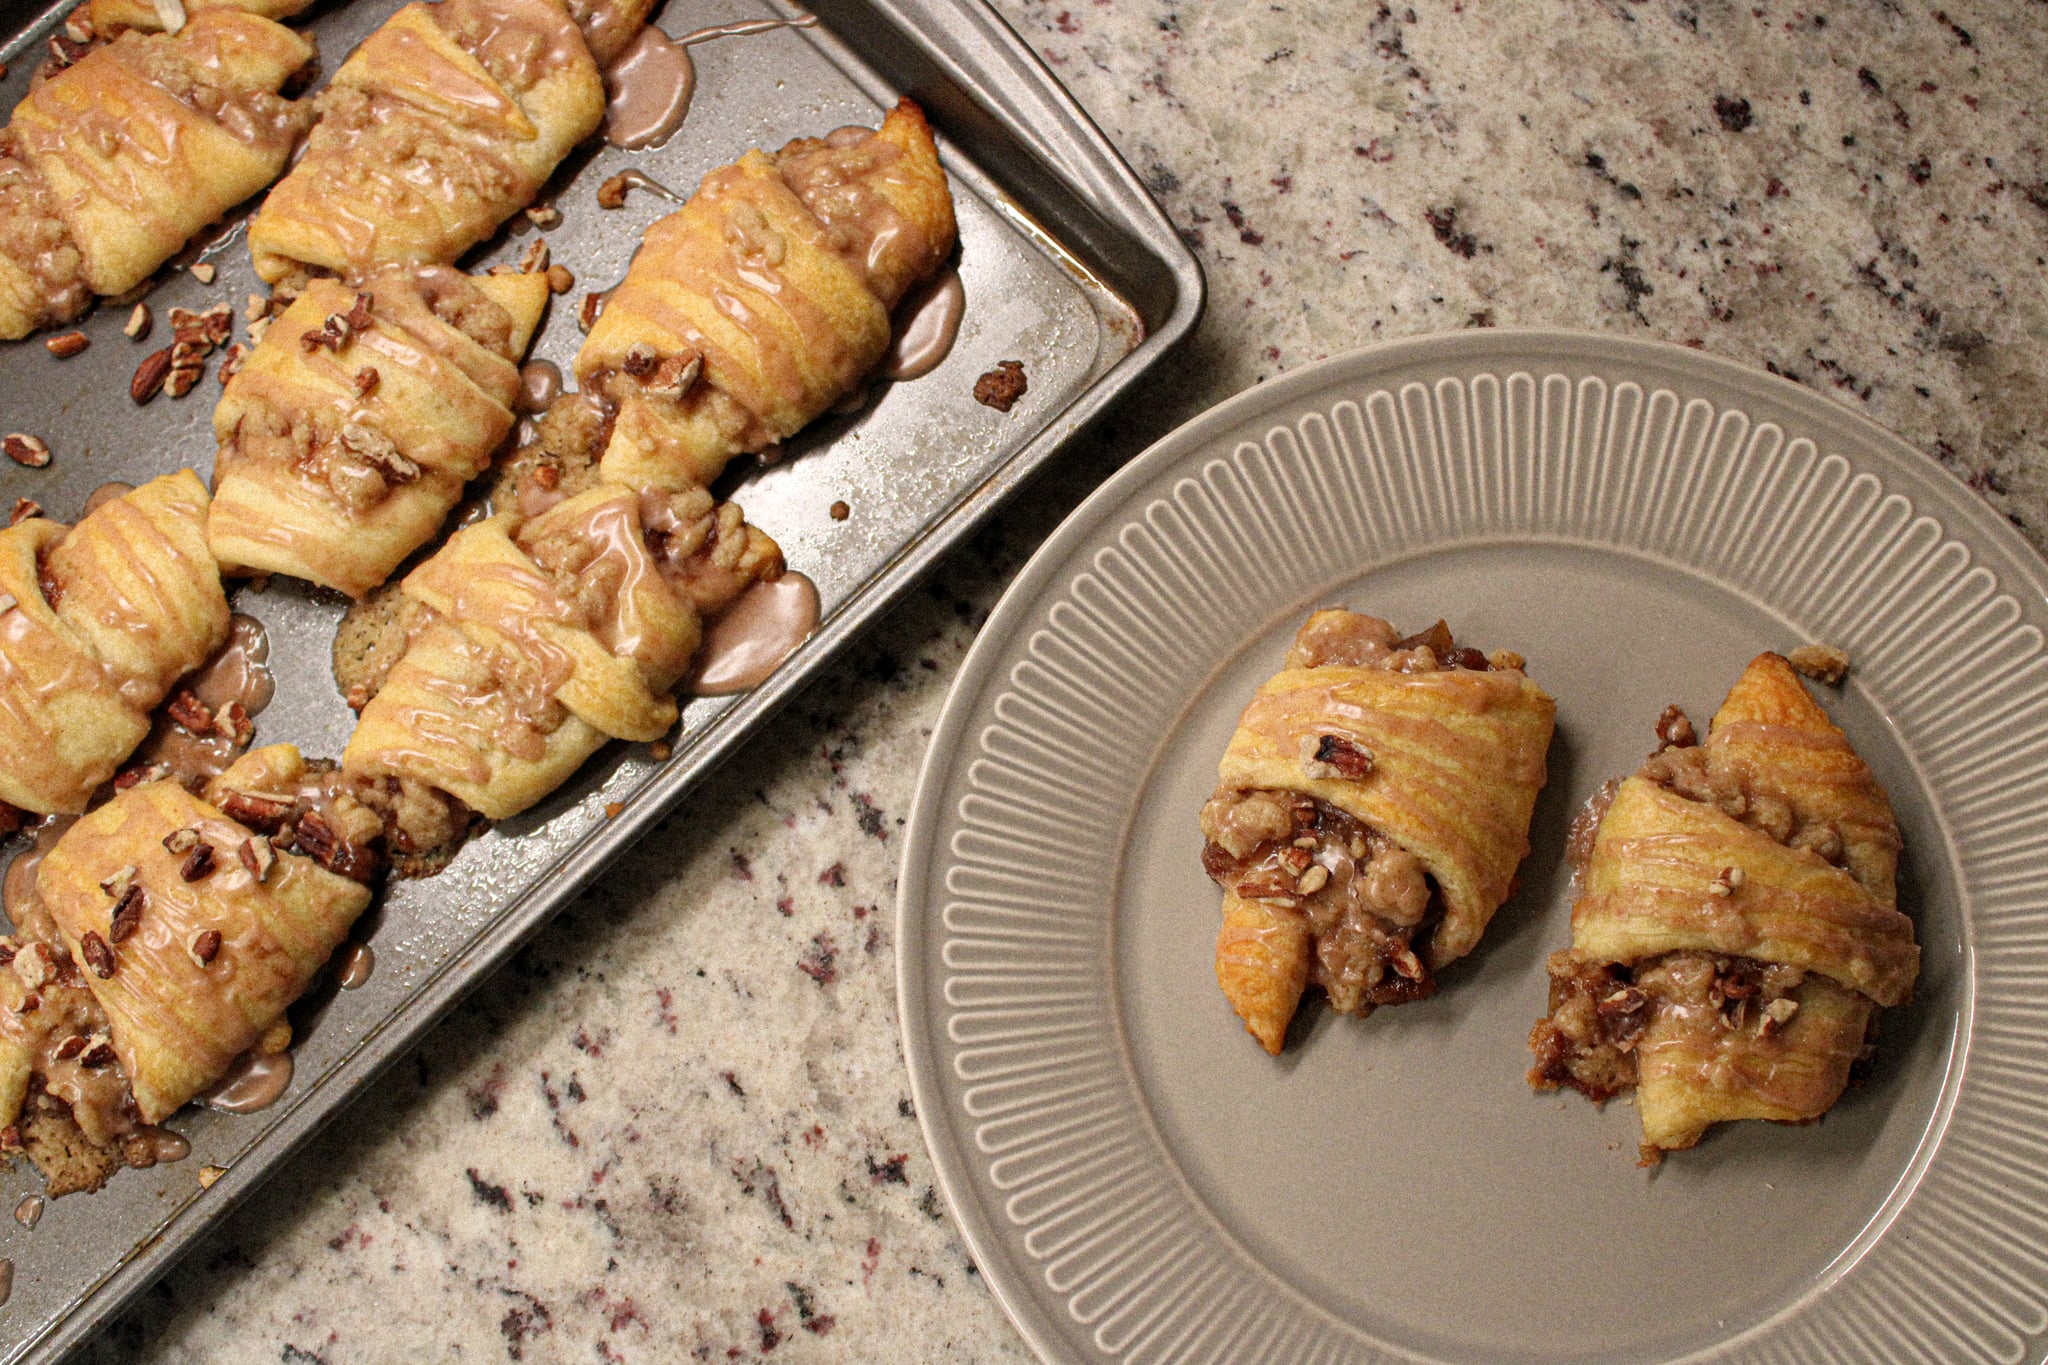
[[96, 622], [351, 428], [765, 299], [109, 167], [444, 123], [543, 637], [1736, 928], [189, 932], [1369, 815]]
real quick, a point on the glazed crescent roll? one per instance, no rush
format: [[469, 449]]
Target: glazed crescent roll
[[109, 167], [351, 428], [1736, 928], [544, 637], [96, 622], [1369, 815], [192, 931], [445, 122], [111, 17], [765, 299]]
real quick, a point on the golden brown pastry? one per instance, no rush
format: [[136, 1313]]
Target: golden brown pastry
[[1736, 927], [350, 430], [443, 124], [96, 622], [165, 940], [112, 17], [1369, 815], [109, 167], [765, 299], [546, 636]]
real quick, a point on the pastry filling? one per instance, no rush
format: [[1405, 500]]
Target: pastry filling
[[1365, 898], [1600, 1011], [34, 237], [1353, 640]]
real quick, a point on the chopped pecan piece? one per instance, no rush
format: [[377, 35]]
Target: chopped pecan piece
[[32, 452], [232, 723], [150, 375], [70, 1047], [24, 508], [1334, 756], [359, 316], [191, 713], [181, 841], [100, 1054], [68, 345], [265, 814], [205, 946], [198, 863], [98, 956], [257, 855], [127, 916], [672, 378]]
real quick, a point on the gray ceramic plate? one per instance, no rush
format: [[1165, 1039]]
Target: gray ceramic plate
[[1138, 1181]]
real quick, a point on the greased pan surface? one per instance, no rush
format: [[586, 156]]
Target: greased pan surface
[[1067, 266]]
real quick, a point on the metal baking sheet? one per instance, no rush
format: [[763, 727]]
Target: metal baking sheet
[[1068, 266]]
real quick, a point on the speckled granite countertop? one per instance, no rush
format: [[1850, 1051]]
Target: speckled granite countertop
[[679, 1127]]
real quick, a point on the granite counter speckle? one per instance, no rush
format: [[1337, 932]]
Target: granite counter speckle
[[678, 1127]]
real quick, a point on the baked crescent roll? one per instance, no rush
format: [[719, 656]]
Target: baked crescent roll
[[1369, 815], [1736, 927], [109, 167], [192, 930], [111, 17], [96, 623], [765, 299], [351, 428], [545, 637], [444, 123]]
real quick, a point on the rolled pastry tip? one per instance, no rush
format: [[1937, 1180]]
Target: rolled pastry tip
[[346, 437], [610, 26], [192, 930], [96, 622], [112, 17], [1370, 812], [445, 122], [765, 299], [1737, 929], [546, 636], [109, 167]]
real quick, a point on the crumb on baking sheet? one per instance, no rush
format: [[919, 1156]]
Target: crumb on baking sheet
[[1823, 663], [1001, 387]]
